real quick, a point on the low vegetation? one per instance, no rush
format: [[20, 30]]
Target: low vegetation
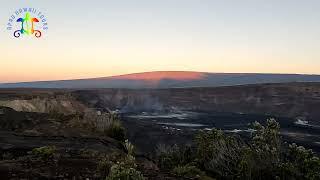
[[222, 156], [45, 152], [124, 168], [213, 155], [115, 130], [188, 172], [109, 124], [171, 157]]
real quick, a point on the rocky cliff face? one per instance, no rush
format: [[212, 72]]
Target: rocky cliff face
[[294, 100], [47, 101]]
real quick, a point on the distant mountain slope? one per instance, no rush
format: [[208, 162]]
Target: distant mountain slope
[[168, 79]]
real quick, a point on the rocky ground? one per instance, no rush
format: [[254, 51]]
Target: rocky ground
[[35, 118], [72, 150]]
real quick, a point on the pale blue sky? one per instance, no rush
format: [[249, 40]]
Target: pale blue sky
[[99, 38]]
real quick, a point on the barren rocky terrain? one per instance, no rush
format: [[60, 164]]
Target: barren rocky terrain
[[31, 118], [294, 100]]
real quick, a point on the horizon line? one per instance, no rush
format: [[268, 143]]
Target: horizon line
[[113, 76]]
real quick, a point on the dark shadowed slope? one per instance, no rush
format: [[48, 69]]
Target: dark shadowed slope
[[168, 79]]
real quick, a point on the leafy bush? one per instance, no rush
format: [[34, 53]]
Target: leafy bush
[[45, 152], [104, 166], [266, 142], [172, 156], [217, 153], [187, 171], [127, 168], [106, 161], [300, 163], [263, 156]]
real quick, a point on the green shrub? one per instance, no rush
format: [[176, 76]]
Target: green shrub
[[108, 124], [45, 152], [300, 163], [169, 157], [218, 153], [187, 171], [267, 143], [263, 156], [104, 166], [116, 131], [129, 147], [125, 170], [260, 157]]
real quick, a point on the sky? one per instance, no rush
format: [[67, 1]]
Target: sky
[[97, 38]]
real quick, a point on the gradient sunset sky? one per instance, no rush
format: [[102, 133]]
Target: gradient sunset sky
[[96, 38]]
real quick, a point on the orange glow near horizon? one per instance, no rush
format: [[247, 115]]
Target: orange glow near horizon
[[122, 37], [55, 62], [159, 75]]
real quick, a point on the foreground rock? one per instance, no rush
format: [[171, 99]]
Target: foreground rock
[[44, 146]]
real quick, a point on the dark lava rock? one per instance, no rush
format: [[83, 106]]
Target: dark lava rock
[[77, 150]]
